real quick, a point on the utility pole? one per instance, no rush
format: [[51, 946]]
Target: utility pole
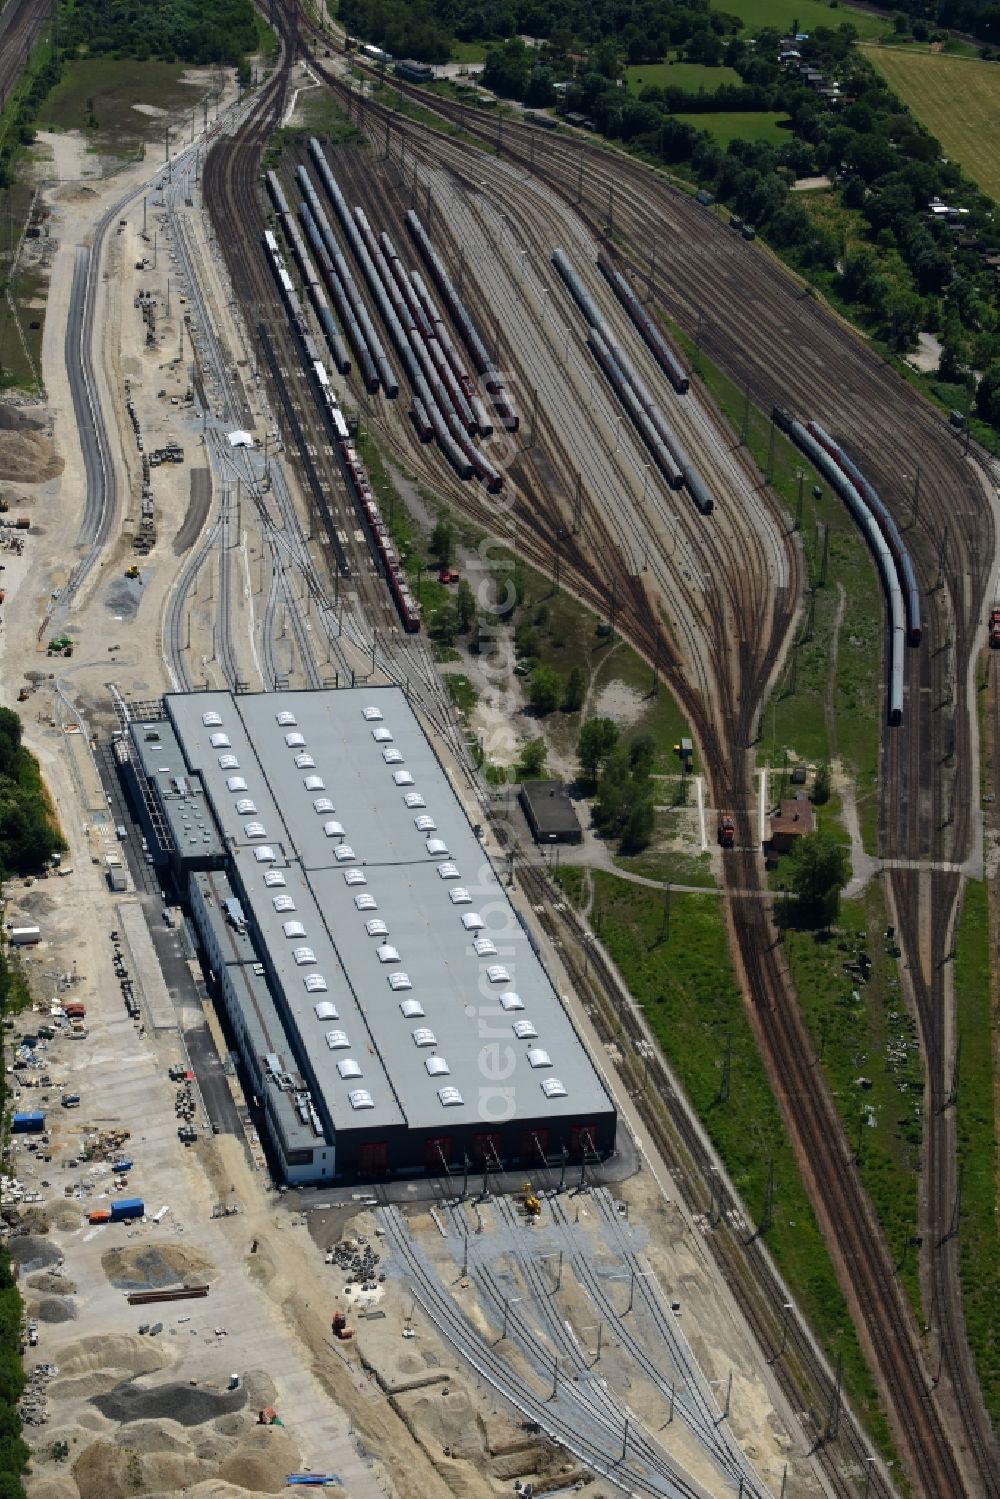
[[770, 454], [578, 503], [579, 176], [651, 282], [824, 554], [798, 501], [745, 425], [611, 207], [833, 1420], [916, 497], [664, 933], [943, 556], [767, 1218], [727, 1062]]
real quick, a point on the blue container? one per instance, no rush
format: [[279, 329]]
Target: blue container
[[28, 1123], [127, 1207], [123, 1165]]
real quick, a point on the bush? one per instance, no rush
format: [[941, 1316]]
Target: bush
[[544, 689]]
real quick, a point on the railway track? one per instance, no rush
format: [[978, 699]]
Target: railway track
[[21, 24], [888, 1328], [582, 1415], [731, 337], [739, 1253]]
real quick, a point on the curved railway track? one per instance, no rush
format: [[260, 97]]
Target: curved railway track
[[934, 819], [646, 206]]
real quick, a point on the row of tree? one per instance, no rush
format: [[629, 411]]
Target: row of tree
[[906, 272], [188, 30], [426, 29], [29, 835]]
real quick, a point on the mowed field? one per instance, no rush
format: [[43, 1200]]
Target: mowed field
[[749, 125], [690, 76], [957, 98], [808, 14]]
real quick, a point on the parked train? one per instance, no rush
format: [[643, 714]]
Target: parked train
[[502, 403], [446, 406], [650, 330], [647, 415], [886, 524], [858, 504], [310, 279], [354, 470]]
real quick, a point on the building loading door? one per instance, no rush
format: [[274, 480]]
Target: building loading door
[[437, 1154], [374, 1158], [486, 1148], [534, 1147], [583, 1142]]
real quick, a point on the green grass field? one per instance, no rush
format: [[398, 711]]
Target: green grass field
[[682, 975], [868, 1037], [977, 1142], [691, 76], [957, 98], [99, 95], [750, 125], [809, 14], [469, 52]]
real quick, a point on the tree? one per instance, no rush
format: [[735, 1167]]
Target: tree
[[441, 541], [641, 754], [820, 870], [988, 395], [821, 784], [444, 623], [598, 737], [531, 761], [640, 824], [576, 690], [544, 689]]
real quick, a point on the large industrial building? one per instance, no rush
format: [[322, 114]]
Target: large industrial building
[[391, 1013]]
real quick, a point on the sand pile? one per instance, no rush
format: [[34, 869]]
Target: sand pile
[[32, 1252], [64, 1215], [93, 1366], [104, 1471], [28, 458], [190, 1406], [262, 1461], [59, 1285], [154, 1436], [54, 1486], [150, 1268], [56, 1309], [444, 1421]]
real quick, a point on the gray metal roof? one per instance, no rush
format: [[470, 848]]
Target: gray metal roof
[[469, 1011], [182, 794], [264, 1027]]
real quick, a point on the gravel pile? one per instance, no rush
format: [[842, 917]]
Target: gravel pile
[[173, 1402], [151, 1268], [56, 1309], [56, 1285], [32, 1252], [16, 419]]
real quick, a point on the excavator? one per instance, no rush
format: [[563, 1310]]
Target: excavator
[[530, 1201]]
